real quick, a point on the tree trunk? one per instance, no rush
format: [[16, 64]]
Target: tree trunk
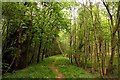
[[43, 53], [77, 61], [71, 58], [119, 52], [113, 45], [38, 56], [94, 53], [87, 44], [101, 50], [27, 50], [31, 60], [71, 41], [105, 52], [18, 48], [103, 57], [75, 57]]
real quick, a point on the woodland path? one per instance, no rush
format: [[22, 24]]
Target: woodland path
[[59, 76]]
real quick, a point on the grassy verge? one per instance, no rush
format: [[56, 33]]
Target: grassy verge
[[71, 71], [40, 70]]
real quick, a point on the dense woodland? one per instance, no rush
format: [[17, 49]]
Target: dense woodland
[[88, 33]]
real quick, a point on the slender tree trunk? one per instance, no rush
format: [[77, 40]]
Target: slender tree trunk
[[27, 50], [77, 59], [71, 47], [87, 52], [18, 48], [105, 53], [113, 44], [36, 47], [31, 60], [119, 52], [75, 34], [71, 58], [70, 40], [74, 37], [108, 52], [102, 51], [101, 48], [43, 53], [38, 56], [92, 53], [103, 57]]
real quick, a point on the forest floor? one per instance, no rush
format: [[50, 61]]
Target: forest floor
[[52, 67]]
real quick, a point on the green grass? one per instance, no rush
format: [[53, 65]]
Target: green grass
[[40, 70], [71, 71]]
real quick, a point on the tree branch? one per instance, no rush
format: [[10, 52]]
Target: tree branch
[[111, 19]]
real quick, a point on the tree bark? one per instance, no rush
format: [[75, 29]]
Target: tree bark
[[87, 44], [119, 52], [38, 56], [105, 53], [43, 53], [27, 50], [71, 40], [18, 50], [77, 59], [103, 57]]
